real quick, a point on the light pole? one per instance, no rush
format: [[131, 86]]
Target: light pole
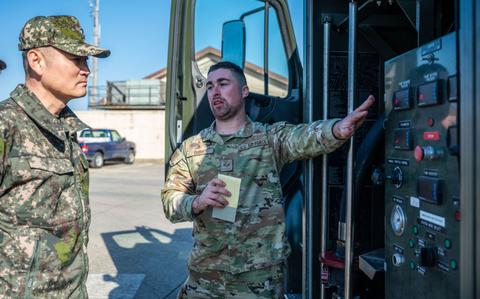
[[96, 42]]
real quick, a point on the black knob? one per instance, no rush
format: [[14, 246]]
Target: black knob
[[396, 178], [428, 256], [378, 177]]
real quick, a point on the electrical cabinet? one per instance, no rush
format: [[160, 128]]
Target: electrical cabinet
[[422, 202]]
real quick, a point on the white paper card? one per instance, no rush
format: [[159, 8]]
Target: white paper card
[[233, 186]]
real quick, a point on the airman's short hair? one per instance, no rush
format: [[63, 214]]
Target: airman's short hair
[[235, 69]]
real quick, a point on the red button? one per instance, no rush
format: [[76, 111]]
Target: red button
[[434, 136], [430, 122], [418, 153]]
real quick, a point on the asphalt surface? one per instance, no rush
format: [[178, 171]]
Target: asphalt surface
[[134, 251]]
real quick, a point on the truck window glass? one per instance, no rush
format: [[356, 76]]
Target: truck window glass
[[99, 134], [86, 133], [277, 60], [296, 14], [208, 37], [115, 136]]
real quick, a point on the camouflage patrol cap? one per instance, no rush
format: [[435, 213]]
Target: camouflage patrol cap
[[3, 65], [61, 32]]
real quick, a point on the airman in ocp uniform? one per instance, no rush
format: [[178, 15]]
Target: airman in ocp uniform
[[243, 259], [44, 207]]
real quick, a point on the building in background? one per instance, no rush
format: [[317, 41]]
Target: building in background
[[127, 95], [278, 85]]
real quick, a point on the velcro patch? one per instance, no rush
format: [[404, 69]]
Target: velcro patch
[[253, 143], [200, 151], [226, 165]]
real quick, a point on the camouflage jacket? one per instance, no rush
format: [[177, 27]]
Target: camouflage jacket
[[256, 154], [44, 209]]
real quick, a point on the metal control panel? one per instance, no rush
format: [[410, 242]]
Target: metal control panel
[[422, 203]]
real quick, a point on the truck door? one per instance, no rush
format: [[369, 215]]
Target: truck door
[[258, 36], [119, 145], [109, 145]]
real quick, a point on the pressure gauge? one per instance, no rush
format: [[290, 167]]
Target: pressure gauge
[[398, 220]]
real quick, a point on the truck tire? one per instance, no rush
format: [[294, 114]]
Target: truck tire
[[130, 158], [97, 161]]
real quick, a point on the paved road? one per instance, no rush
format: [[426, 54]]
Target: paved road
[[135, 252]]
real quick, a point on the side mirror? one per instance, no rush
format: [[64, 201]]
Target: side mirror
[[122, 139], [233, 42]]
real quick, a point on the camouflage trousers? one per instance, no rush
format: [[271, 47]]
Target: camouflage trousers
[[261, 283]]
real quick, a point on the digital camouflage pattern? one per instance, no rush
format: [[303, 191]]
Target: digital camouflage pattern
[[44, 207], [61, 32], [256, 284], [256, 154]]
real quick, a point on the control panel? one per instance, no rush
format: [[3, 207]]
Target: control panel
[[422, 203]]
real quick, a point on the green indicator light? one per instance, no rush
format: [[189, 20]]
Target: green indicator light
[[412, 265], [447, 243], [453, 264], [415, 230], [411, 243]]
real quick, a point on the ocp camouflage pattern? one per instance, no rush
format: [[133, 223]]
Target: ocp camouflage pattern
[[256, 154], [44, 207], [264, 283]]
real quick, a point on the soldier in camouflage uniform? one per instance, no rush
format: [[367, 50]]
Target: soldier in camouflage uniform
[[44, 208], [243, 259]]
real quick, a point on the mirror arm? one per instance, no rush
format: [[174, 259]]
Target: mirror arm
[[251, 12]]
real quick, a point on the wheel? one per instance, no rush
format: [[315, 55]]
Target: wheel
[[130, 158], [97, 161]]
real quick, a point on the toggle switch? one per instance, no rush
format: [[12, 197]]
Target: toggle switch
[[428, 256]]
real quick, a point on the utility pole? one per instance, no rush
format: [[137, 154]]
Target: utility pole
[[96, 42]]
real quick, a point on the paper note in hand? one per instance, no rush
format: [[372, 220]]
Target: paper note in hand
[[233, 185]]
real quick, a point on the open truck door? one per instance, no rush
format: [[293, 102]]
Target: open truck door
[[392, 213]]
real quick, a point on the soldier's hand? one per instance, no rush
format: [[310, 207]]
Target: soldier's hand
[[347, 126], [213, 195]]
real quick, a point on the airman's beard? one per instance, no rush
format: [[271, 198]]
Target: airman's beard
[[226, 111], [223, 113]]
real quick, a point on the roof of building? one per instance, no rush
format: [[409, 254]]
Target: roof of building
[[215, 55]]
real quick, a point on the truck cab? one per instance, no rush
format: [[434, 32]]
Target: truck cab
[[392, 213]]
